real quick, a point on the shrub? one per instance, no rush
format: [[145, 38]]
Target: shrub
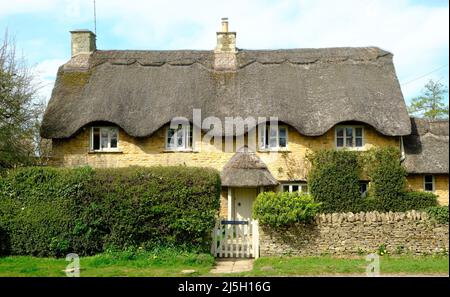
[[416, 201], [334, 180], [283, 208], [439, 214], [55, 211], [387, 176]]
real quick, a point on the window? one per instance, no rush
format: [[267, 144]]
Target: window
[[350, 137], [292, 188], [179, 139], [273, 137], [428, 183], [104, 139], [363, 187]]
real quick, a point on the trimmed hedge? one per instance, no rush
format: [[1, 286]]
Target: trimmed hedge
[[284, 208], [334, 180], [50, 212], [439, 214], [387, 178]]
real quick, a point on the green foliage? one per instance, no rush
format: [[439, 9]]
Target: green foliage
[[381, 251], [52, 211], [284, 208], [334, 180], [439, 214], [387, 176], [431, 104]]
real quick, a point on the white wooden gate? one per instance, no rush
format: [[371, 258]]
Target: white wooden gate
[[235, 239]]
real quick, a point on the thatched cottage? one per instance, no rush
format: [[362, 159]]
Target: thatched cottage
[[113, 108]]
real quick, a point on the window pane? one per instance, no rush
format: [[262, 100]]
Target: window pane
[[180, 137], [113, 135], [96, 139], [363, 187], [349, 142], [429, 187], [358, 142], [170, 137], [340, 142], [285, 188], [340, 132], [282, 142], [349, 132], [358, 132], [273, 132], [273, 142], [104, 138], [428, 178], [294, 188], [304, 188], [282, 132]]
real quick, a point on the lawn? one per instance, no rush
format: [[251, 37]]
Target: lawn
[[171, 264], [326, 265], [116, 264]]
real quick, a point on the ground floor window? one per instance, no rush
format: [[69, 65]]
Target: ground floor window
[[428, 183], [363, 187], [295, 187]]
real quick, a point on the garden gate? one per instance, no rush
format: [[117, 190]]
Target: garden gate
[[235, 239]]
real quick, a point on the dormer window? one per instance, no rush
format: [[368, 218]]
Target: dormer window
[[349, 137], [273, 137], [104, 139], [179, 139]]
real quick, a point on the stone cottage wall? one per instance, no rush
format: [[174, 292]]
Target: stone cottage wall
[[348, 233]]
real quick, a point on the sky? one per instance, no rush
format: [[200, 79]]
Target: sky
[[415, 31]]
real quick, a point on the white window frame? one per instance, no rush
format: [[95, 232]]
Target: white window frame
[[433, 183], [186, 143], [300, 187], [262, 138], [354, 147], [109, 148]]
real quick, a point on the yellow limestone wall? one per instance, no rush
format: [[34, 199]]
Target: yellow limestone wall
[[415, 183], [150, 151]]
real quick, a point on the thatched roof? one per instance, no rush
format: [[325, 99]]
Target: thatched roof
[[427, 147], [309, 89], [245, 169]]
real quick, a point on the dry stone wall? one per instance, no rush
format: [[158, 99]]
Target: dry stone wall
[[349, 233]]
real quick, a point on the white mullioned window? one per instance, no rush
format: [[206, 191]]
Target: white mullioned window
[[428, 183], [104, 139], [179, 139], [349, 136], [295, 187], [273, 137]]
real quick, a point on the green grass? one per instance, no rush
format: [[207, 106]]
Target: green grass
[[111, 264], [327, 265], [170, 263]]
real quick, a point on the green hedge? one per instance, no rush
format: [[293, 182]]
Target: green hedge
[[387, 178], [334, 180], [50, 212], [439, 214], [284, 208]]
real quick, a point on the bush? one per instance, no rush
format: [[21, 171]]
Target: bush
[[439, 214], [334, 180], [50, 212], [387, 176], [283, 208]]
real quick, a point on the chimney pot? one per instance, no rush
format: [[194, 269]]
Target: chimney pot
[[224, 24], [82, 42]]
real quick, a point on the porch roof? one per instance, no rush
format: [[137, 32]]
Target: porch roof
[[245, 169]]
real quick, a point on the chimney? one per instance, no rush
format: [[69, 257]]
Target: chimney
[[83, 42], [225, 52]]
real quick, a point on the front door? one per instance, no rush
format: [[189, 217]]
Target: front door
[[243, 203]]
